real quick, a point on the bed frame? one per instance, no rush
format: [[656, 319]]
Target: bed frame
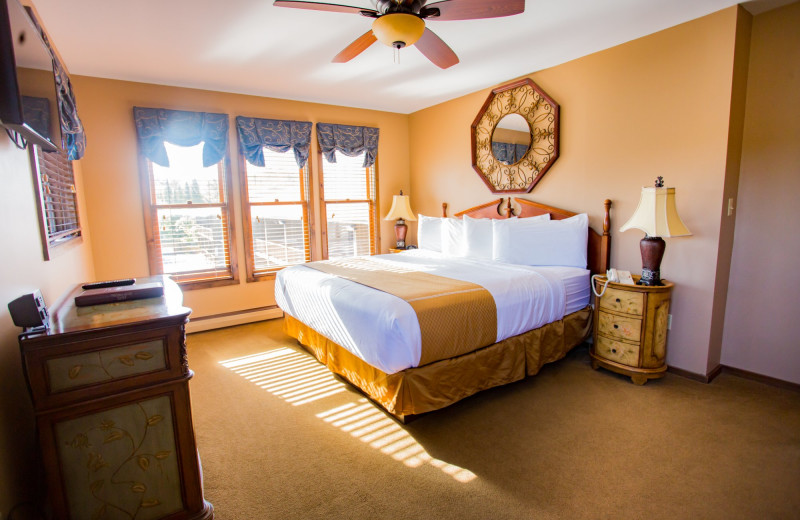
[[408, 393]]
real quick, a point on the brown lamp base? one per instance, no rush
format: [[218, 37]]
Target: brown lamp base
[[400, 230], [652, 253]]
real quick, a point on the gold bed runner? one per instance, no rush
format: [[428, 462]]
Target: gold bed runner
[[455, 317]]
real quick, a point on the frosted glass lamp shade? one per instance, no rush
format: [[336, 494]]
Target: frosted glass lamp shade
[[657, 215], [398, 29]]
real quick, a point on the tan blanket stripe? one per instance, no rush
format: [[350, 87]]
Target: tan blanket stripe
[[455, 317]]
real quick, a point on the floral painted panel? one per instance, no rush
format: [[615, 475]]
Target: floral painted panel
[[121, 463], [65, 373]]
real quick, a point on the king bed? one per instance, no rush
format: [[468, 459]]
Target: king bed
[[488, 299]]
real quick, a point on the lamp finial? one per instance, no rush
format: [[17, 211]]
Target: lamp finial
[[659, 182]]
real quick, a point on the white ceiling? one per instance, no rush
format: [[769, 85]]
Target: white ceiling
[[252, 47]]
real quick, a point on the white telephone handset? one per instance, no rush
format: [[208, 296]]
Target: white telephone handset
[[613, 275]]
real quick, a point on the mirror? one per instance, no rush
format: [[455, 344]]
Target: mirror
[[515, 137], [511, 139]]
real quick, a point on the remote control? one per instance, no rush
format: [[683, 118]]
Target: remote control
[[109, 283]]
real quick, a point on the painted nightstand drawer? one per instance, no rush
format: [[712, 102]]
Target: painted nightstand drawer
[[619, 327], [623, 301], [624, 353]]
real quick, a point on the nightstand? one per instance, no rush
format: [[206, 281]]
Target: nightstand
[[630, 329], [398, 250]]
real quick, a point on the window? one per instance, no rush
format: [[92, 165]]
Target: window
[[347, 202], [56, 197], [188, 218], [276, 213]]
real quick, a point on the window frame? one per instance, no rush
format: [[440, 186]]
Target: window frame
[[375, 236], [52, 244], [150, 218], [308, 210]]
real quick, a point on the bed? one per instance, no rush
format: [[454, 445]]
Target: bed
[[420, 330]]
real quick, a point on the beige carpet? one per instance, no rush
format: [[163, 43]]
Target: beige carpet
[[281, 438]]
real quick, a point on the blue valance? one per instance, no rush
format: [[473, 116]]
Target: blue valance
[[71, 126], [155, 126], [350, 140], [509, 153], [277, 135]]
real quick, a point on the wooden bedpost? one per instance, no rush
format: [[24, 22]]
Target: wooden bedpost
[[444, 209], [509, 209], [605, 240]]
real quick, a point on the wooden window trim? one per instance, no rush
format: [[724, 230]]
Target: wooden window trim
[[152, 242], [372, 184], [308, 213], [51, 245]]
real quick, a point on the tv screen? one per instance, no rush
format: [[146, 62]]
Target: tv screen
[[28, 99]]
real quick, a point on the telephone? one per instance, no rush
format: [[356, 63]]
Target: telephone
[[612, 275]]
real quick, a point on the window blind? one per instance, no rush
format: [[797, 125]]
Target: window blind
[[190, 217], [276, 200], [349, 202], [58, 197]]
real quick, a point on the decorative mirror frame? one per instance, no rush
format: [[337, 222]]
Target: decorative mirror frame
[[523, 97]]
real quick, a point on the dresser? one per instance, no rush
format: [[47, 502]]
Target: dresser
[[630, 329], [109, 385]]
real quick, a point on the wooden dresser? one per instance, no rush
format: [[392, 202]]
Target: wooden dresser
[[630, 329], [110, 388]]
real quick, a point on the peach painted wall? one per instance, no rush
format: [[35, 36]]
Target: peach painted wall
[[112, 175], [22, 270], [659, 105], [764, 288]]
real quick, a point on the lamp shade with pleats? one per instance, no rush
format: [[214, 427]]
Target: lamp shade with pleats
[[401, 209], [657, 215]]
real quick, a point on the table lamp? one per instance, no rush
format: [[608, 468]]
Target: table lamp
[[658, 217], [401, 211]]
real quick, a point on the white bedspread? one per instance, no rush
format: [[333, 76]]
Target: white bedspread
[[383, 329]]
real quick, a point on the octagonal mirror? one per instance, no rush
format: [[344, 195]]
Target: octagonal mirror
[[515, 137]]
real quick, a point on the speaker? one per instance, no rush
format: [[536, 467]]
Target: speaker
[[29, 311]]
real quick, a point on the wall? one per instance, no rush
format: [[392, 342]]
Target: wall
[[22, 270], [659, 105], [764, 282], [112, 176]]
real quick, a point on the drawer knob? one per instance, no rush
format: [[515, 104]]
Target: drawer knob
[[618, 300], [614, 350], [616, 326]]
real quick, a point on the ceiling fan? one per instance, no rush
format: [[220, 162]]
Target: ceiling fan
[[401, 23]]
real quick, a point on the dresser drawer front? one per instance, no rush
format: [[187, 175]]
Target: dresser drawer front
[[622, 301], [619, 327], [613, 350], [78, 370]]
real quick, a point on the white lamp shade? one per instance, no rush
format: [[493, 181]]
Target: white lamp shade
[[401, 209], [657, 215]]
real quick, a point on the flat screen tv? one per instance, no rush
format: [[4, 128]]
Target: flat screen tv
[[28, 95]]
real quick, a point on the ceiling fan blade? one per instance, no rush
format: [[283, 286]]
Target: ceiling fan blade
[[355, 48], [472, 9], [436, 50], [320, 6]]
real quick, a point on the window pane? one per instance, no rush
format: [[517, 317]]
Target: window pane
[[277, 180], [278, 236], [186, 179], [192, 239], [346, 178], [348, 228]]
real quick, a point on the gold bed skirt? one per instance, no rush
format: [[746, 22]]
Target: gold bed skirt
[[430, 387]]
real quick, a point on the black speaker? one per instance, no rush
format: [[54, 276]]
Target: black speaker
[[29, 311]]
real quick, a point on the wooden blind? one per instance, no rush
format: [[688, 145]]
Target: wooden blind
[[189, 217], [57, 196], [349, 207], [275, 204]]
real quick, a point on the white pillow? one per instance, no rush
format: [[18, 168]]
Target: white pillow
[[429, 233], [453, 243], [478, 237], [557, 242]]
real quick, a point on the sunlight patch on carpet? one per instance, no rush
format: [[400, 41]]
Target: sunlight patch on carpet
[[299, 379]]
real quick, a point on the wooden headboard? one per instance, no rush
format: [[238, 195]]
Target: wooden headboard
[[599, 249]]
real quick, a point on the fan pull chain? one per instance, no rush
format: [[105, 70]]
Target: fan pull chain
[[396, 55]]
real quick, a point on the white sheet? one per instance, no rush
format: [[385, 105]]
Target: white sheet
[[383, 329]]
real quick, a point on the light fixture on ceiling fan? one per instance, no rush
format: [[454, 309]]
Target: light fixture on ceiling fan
[[401, 23]]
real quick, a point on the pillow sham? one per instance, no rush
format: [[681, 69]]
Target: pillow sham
[[429, 233], [479, 234], [453, 243], [557, 242]]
